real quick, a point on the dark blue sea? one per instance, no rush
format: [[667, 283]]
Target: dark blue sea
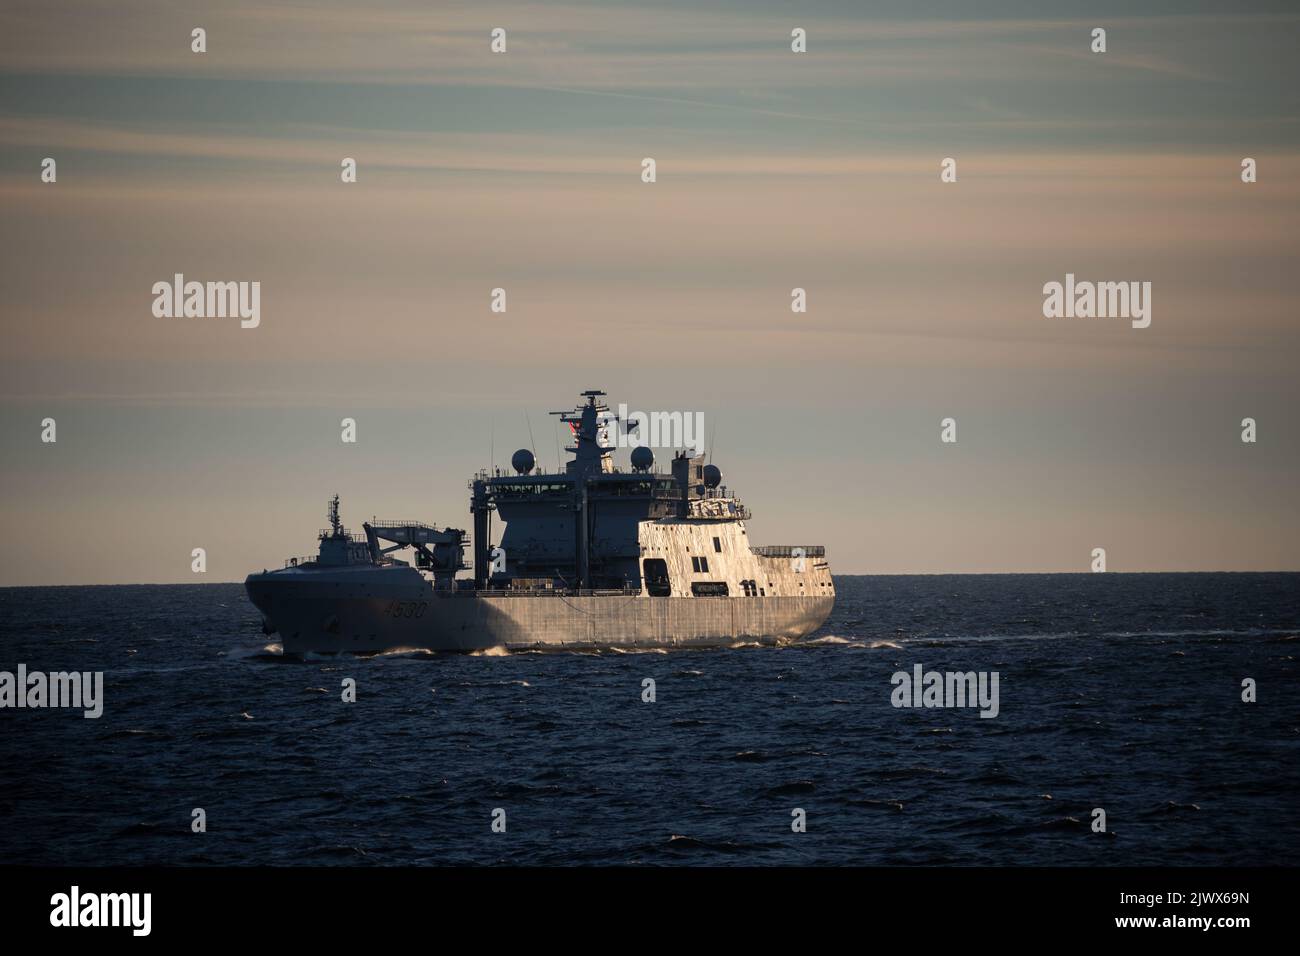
[[1120, 692]]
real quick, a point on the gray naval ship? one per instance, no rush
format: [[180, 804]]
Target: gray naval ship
[[593, 557]]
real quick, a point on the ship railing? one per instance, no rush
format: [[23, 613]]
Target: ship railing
[[740, 514], [788, 551], [630, 590], [356, 537], [404, 523], [728, 509], [298, 561]]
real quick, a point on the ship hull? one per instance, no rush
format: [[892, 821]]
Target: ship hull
[[370, 610]]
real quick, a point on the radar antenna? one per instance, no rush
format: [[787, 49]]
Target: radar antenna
[[336, 526]]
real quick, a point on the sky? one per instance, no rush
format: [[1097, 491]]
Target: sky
[[774, 170]]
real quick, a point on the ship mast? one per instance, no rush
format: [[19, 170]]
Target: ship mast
[[336, 525], [590, 457], [588, 423]]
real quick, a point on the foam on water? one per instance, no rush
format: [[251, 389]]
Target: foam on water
[[245, 652], [403, 652]]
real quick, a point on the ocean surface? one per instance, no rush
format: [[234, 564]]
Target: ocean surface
[[1119, 692]]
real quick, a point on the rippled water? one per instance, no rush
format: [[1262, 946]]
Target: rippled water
[[1116, 691]]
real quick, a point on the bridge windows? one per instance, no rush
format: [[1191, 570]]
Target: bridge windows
[[699, 565]]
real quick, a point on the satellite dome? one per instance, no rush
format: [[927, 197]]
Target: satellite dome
[[643, 459], [522, 461], [712, 476]]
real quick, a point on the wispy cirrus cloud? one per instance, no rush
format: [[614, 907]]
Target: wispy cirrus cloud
[[596, 46]]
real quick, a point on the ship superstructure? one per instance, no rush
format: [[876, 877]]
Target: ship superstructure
[[592, 556]]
